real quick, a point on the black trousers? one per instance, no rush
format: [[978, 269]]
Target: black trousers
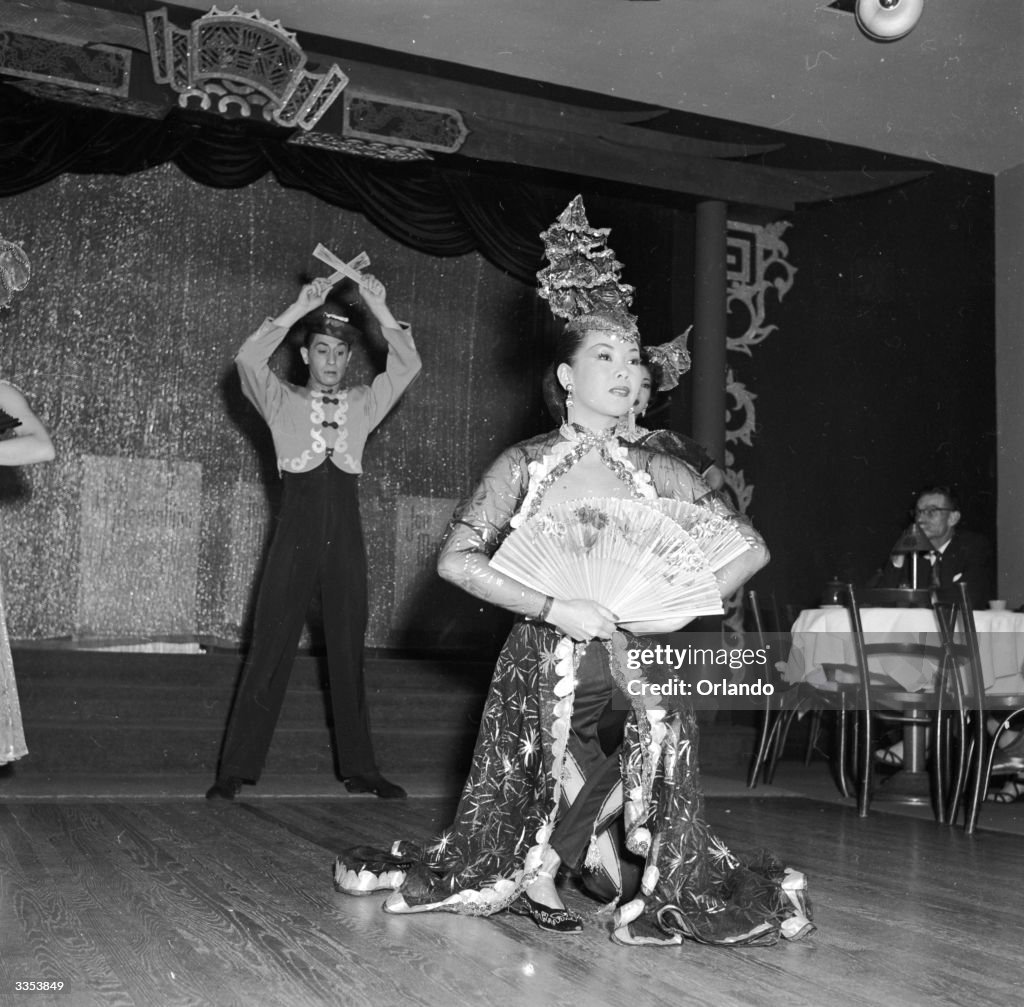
[[317, 547], [598, 718]]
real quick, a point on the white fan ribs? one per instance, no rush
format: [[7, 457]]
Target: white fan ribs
[[646, 560]]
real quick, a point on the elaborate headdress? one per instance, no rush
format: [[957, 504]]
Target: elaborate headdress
[[582, 279], [672, 359], [14, 270]]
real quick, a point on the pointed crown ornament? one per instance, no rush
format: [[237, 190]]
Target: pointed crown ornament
[[581, 283], [672, 359]]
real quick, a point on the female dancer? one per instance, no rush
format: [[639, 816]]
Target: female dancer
[[23, 441], [542, 790]]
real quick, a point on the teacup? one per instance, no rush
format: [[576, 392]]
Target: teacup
[[997, 606]]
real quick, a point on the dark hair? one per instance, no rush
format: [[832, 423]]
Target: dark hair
[[948, 492], [324, 321], [657, 372], [554, 394], [567, 346]]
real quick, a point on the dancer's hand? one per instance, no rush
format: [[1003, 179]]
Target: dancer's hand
[[374, 296], [313, 294], [372, 291], [582, 619]]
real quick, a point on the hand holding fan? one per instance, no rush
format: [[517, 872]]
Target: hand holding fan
[[645, 563]]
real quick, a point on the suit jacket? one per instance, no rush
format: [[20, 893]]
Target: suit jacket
[[968, 557]]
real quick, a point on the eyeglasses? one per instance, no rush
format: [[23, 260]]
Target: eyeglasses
[[930, 511]]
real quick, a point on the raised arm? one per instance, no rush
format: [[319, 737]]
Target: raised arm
[[259, 383], [29, 443], [403, 363]]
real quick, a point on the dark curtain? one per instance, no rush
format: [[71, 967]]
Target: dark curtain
[[441, 207]]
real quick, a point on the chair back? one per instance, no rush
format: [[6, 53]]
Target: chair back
[[962, 670], [768, 616], [894, 597], [892, 704], [757, 615], [860, 649], [880, 598], [953, 609], [786, 701]]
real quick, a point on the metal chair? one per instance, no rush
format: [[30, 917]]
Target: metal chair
[[772, 708], [876, 597], [789, 700], [955, 616], [873, 699]]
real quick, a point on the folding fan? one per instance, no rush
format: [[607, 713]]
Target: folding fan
[[717, 537], [644, 561]]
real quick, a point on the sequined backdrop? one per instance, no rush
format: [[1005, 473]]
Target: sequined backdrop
[[153, 519]]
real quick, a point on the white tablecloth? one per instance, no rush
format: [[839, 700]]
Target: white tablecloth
[[822, 636]]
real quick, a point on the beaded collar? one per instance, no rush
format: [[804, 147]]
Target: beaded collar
[[575, 442]]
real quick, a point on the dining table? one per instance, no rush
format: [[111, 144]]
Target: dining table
[[822, 653]]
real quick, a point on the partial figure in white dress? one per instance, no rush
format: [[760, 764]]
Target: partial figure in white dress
[[23, 441]]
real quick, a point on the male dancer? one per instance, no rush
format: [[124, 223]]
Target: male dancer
[[319, 433]]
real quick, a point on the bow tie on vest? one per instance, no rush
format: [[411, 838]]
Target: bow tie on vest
[[327, 400], [329, 423]]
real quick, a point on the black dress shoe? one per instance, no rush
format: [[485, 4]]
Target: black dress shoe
[[374, 783], [225, 789]]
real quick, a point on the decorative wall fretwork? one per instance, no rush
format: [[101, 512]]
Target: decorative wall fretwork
[[102, 69], [236, 63], [755, 264], [361, 148], [427, 127], [90, 99]]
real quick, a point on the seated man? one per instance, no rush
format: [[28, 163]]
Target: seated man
[[956, 555]]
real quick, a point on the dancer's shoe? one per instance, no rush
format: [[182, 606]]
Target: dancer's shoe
[[374, 783], [554, 921], [226, 788]]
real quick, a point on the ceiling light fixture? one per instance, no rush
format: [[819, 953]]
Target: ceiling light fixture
[[888, 20]]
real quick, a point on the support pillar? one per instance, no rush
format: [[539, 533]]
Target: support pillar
[[709, 329]]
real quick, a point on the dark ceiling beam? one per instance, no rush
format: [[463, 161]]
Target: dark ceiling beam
[[74, 22], [614, 159], [518, 129], [524, 113]]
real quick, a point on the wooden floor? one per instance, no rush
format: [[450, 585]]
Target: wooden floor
[[191, 902]]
